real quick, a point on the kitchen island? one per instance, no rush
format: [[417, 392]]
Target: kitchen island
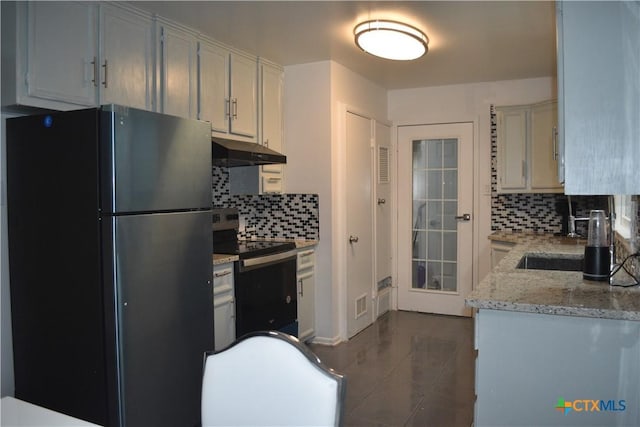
[[554, 349]]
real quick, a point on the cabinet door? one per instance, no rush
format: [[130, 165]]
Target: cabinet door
[[306, 308], [223, 306], [599, 94], [66, 74], [224, 318], [512, 148], [271, 104], [244, 91], [178, 72], [126, 47], [544, 150], [213, 86]]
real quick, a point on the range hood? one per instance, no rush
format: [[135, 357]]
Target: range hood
[[230, 153]]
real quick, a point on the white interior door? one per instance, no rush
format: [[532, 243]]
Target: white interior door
[[382, 202], [435, 218], [359, 238]]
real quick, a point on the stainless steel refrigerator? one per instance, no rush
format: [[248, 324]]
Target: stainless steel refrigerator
[[110, 263]]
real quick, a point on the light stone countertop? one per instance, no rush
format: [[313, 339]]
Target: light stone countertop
[[550, 292], [224, 258]]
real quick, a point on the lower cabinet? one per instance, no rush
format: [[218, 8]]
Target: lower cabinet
[[550, 370], [306, 294], [223, 305]]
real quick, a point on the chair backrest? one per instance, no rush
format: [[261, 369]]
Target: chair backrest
[[269, 378]]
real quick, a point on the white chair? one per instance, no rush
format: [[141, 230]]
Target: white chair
[[269, 378]]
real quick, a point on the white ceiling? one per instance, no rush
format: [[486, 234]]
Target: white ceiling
[[469, 41]]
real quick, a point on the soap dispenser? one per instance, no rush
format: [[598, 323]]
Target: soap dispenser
[[596, 254]]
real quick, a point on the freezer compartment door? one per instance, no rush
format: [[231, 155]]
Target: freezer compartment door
[[153, 162], [163, 305]]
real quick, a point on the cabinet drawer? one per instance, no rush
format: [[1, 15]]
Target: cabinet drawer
[[272, 184], [306, 259], [222, 278]]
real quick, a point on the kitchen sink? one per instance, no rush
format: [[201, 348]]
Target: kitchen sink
[[551, 261]]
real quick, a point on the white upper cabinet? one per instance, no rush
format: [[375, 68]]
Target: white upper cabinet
[[52, 62], [271, 123], [213, 85], [69, 55], [599, 96], [127, 60], [544, 148], [178, 62], [512, 148], [227, 91], [527, 150], [271, 105], [243, 75]]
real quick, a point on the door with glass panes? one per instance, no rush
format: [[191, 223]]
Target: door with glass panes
[[435, 218]]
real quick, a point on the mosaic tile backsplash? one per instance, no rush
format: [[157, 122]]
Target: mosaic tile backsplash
[[286, 216]]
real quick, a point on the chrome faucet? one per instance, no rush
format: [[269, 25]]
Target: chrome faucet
[[571, 225]]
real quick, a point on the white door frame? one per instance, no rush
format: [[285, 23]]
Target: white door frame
[[476, 197], [339, 244]]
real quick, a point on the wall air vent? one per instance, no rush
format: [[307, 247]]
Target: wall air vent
[[383, 165]]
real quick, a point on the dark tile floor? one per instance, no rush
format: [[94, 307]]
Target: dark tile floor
[[407, 369]]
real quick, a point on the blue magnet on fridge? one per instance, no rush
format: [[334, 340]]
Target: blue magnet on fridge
[[47, 121]]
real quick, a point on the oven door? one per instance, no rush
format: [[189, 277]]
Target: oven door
[[265, 289]]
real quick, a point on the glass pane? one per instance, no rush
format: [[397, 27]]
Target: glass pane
[[419, 214], [434, 216], [450, 246], [434, 276], [449, 221], [449, 282], [450, 184], [434, 184], [419, 155], [418, 275], [419, 245], [435, 204], [434, 154], [419, 184], [450, 153], [434, 249]]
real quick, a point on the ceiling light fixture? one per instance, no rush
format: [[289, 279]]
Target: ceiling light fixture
[[391, 40]]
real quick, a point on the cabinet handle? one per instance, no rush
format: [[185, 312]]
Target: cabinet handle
[[301, 288], [95, 71], [106, 70], [222, 274], [235, 108], [227, 107], [524, 169], [554, 138]]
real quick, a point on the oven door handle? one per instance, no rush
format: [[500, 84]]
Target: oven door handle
[[263, 261]]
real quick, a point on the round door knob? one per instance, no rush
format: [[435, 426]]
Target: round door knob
[[353, 239]]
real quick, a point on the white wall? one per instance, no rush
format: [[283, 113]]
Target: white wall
[[307, 142], [315, 95], [469, 103]]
